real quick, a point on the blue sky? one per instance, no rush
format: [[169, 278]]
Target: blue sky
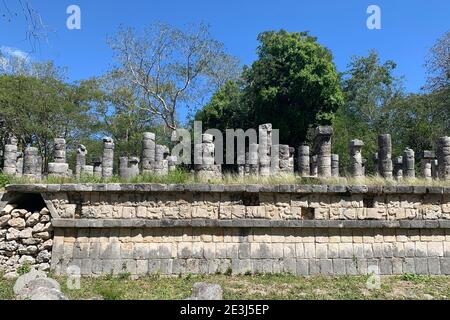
[[409, 28]]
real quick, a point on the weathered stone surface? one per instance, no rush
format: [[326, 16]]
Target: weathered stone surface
[[304, 160], [409, 170], [322, 143], [385, 156], [46, 294], [443, 157], [206, 291], [23, 281], [17, 223], [356, 159]]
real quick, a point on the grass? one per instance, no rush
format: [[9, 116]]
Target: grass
[[255, 287], [181, 176]]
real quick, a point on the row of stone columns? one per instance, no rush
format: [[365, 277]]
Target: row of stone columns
[[28, 164], [258, 159]]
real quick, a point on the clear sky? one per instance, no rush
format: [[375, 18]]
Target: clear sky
[[409, 28]]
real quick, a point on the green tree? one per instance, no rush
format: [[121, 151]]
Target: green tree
[[226, 110], [369, 87], [172, 68], [40, 106], [293, 84]]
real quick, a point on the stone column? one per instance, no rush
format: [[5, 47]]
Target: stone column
[[31, 163], [10, 156], [265, 149], [97, 168], [148, 152], [39, 167], [81, 160], [128, 167], [208, 169], [291, 160], [123, 167], [375, 164], [161, 164], [59, 151], [409, 163], [19, 164], [385, 156], [253, 159], [172, 162], [134, 166], [284, 162], [247, 164], [398, 168], [323, 150], [314, 166], [435, 169], [426, 164], [443, 157], [59, 167], [241, 165], [108, 157], [304, 161], [335, 165], [364, 164], [356, 160]]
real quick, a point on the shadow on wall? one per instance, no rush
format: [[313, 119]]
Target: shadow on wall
[[32, 202]]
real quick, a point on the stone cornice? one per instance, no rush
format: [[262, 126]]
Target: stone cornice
[[227, 188]]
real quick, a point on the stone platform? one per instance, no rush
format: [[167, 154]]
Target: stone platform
[[207, 228]]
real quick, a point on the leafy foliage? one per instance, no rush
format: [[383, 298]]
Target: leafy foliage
[[293, 84]]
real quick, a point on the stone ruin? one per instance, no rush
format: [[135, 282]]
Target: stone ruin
[[265, 158]]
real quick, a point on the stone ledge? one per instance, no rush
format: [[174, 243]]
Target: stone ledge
[[250, 223], [221, 188]]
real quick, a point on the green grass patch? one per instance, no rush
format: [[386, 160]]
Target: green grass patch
[[254, 287], [181, 176]]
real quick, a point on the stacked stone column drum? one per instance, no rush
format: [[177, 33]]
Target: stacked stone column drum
[[265, 152], [427, 164], [304, 161], [10, 156], [59, 167], [205, 167], [129, 167], [385, 167], [108, 157], [398, 168], [148, 152], [443, 157], [409, 170], [323, 150], [32, 164], [335, 165], [356, 159], [81, 161]]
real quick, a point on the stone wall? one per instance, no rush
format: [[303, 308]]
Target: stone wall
[[288, 202], [301, 229], [300, 251], [26, 237]]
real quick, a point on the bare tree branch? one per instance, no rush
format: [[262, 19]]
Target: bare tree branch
[[172, 68]]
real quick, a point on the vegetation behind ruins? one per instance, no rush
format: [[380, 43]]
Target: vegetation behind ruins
[[293, 84]]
